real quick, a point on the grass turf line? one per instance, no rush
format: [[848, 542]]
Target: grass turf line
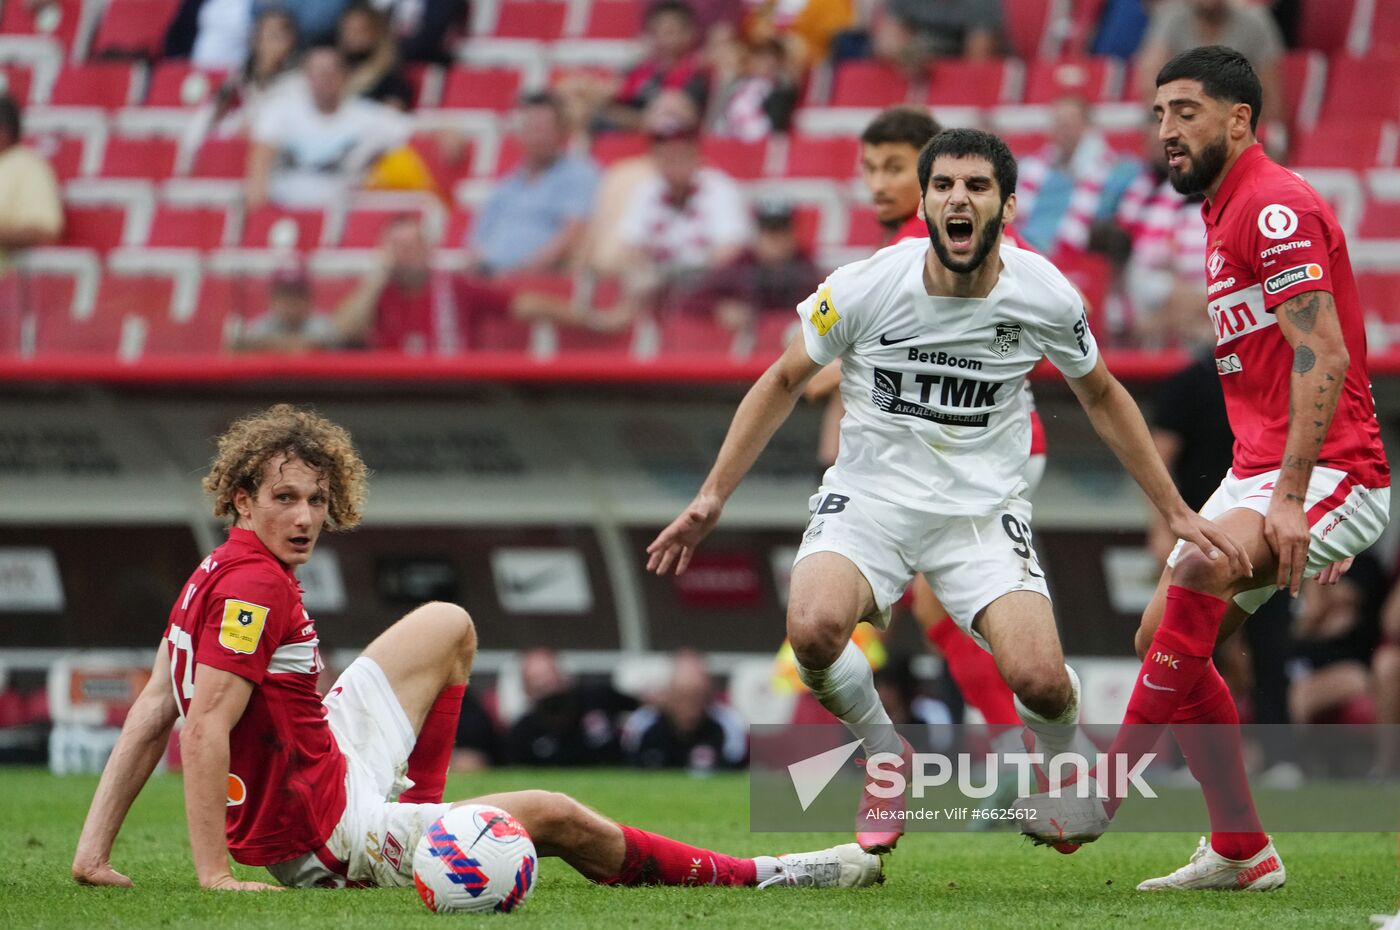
[[935, 880]]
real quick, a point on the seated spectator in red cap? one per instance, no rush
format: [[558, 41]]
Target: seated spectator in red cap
[[290, 324]]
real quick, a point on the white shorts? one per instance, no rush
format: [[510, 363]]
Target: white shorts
[[969, 561], [374, 841], [1346, 518]]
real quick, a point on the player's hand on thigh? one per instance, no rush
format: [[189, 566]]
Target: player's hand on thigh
[[1286, 530], [676, 543], [100, 874], [1333, 573], [1213, 541], [229, 883]]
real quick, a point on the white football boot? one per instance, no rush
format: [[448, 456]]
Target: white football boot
[[1208, 870], [1386, 921], [845, 866], [1065, 822]]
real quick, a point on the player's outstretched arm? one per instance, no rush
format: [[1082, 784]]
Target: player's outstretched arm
[[139, 747], [763, 409], [1320, 359], [1118, 421], [218, 703]]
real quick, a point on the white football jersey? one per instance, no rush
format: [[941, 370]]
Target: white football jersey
[[936, 415]]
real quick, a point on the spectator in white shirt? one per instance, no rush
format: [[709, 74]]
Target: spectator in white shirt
[[311, 143]]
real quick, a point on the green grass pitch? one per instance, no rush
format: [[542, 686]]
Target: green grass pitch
[[982, 881]]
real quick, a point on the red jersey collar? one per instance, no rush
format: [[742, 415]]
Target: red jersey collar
[[250, 540], [1233, 178]]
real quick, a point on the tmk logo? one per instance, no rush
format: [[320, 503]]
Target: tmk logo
[[1161, 658]]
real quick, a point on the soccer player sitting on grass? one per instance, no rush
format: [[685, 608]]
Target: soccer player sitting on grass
[[280, 778]]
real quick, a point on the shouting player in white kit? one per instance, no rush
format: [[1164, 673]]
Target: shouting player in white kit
[[936, 340]]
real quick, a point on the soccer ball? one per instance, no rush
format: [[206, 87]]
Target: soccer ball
[[474, 858]]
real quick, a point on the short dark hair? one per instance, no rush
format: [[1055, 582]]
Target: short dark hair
[[1224, 74], [910, 125], [545, 98], [663, 7], [971, 143], [10, 120]]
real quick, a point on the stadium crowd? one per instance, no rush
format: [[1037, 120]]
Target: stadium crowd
[[632, 175]]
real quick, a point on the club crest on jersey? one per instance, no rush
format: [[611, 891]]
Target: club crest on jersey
[[1007, 338], [1215, 263]]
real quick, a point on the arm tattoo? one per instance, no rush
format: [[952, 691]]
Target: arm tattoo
[[1303, 357], [1303, 313]]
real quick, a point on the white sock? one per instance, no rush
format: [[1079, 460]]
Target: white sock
[[767, 867], [847, 689], [1054, 735]]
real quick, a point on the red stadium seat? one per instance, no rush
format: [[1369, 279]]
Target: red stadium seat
[[58, 20], [146, 295], [149, 157], [221, 158], [508, 158], [531, 19], [363, 226], [327, 291], [687, 334], [105, 84], [448, 163], [58, 331], [742, 161], [1091, 273], [1324, 24], [1385, 28], [1350, 143], [578, 339], [481, 88], [1127, 142], [806, 226], [775, 330], [615, 146], [48, 296], [1026, 23], [133, 28], [1095, 79], [835, 157], [1362, 88], [93, 226], [867, 84], [1303, 72], [1381, 220], [863, 230], [416, 73], [179, 84], [63, 153], [16, 80], [1380, 298], [242, 296], [613, 19], [956, 83], [188, 227], [459, 224], [263, 225], [1026, 143], [202, 334], [491, 333]]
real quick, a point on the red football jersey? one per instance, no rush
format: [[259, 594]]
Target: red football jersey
[[1270, 237], [241, 612]]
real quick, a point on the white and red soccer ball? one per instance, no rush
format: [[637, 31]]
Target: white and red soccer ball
[[474, 858]]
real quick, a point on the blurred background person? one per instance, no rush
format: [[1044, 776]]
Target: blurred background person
[[291, 324], [1178, 25], [367, 45], [1336, 631], [682, 225], [312, 144], [270, 65], [757, 91], [1073, 181], [686, 728], [533, 220], [31, 214], [566, 723], [774, 275], [912, 34]]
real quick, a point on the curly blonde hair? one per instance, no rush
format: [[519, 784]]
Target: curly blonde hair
[[250, 443]]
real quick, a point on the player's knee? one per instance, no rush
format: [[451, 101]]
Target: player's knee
[[451, 626], [817, 637], [1197, 571], [1044, 687], [553, 815]]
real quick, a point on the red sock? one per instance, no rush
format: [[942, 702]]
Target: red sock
[[651, 859], [975, 673], [432, 753], [1207, 728], [1175, 661]]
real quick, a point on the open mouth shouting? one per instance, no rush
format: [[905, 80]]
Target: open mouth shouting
[[959, 229]]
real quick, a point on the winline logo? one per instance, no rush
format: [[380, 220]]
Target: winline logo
[[886, 776]]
